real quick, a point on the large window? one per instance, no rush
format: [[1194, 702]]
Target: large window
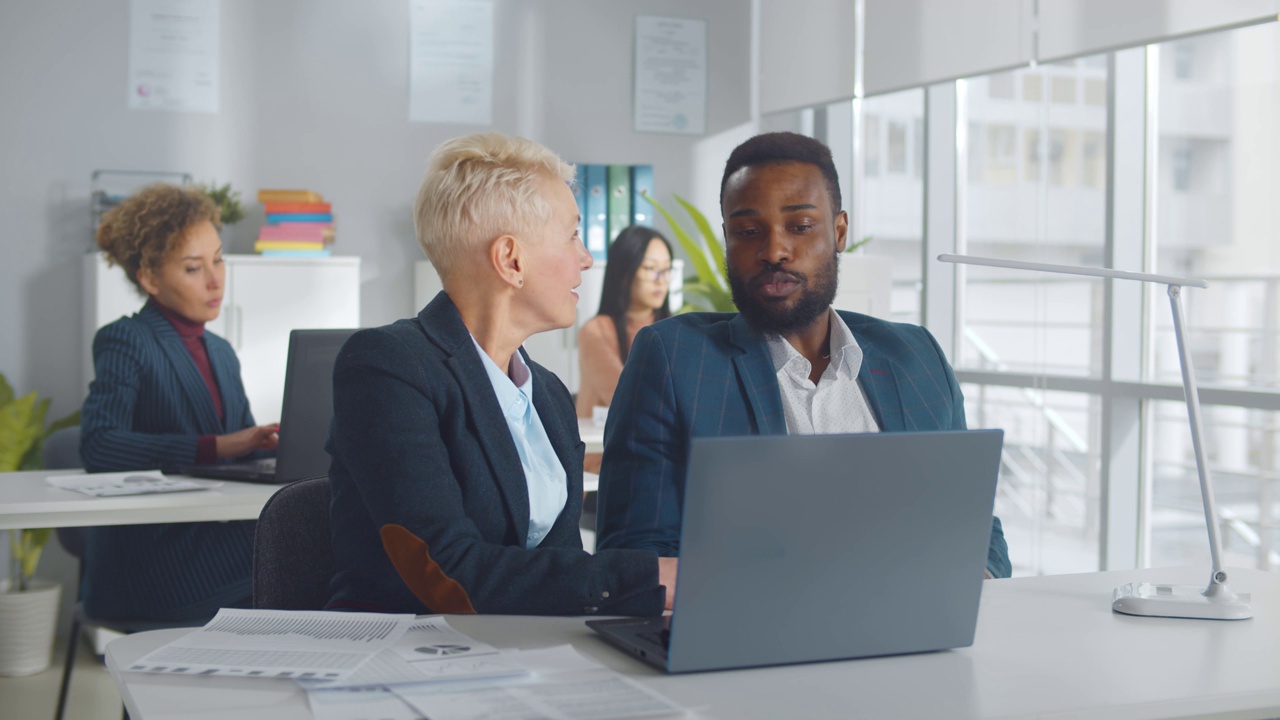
[[1161, 159], [1217, 180], [892, 198], [1035, 190]]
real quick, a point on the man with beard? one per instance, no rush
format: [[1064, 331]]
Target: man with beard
[[785, 363]]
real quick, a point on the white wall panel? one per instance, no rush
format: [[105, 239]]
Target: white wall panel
[[1070, 28], [910, 43], [806, 53]]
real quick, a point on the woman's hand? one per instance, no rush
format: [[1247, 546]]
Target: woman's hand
[[667, 578], [243, 442]]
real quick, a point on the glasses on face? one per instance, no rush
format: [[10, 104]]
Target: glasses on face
[[654, 273]]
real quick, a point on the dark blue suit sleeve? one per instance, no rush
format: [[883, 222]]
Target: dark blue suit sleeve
[[998, 551], [645, 452], [118, 395]]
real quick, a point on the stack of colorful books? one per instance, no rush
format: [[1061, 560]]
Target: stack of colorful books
[[299, 224]]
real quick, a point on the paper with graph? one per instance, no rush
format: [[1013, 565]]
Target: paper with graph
[[430, 651], [298, 645]]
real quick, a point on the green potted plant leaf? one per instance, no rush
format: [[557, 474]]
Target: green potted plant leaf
[[28, 607], [227, 199], [708, 289]]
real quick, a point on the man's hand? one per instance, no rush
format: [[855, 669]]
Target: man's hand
[[667, 578], [243, 442]]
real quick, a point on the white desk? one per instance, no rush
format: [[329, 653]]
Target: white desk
[[592, 435], [1044, 646], [27, 501]]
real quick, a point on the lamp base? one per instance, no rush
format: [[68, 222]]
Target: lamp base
[[1181, 601]]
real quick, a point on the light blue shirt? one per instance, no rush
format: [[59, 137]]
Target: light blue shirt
[[543, 473]]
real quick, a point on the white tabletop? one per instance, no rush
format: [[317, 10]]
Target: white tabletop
[[591, 434], [27, 501], [1044, 646]]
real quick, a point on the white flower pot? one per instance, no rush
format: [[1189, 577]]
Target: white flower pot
[[866, 284], [27, 622]]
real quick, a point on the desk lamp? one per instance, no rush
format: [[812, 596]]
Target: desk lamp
[[1216, 601]]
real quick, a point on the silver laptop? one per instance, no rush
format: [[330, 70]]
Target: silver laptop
[[304, 416], [804, 548]]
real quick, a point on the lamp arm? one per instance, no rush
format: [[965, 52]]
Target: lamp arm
[[1219, 577], [1216, 601]]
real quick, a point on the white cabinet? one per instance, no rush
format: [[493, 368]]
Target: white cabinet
[[556, 350], [264, 299]]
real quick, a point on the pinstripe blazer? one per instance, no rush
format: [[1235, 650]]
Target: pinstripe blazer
[[711, 374], [430, 506], [147, 406]]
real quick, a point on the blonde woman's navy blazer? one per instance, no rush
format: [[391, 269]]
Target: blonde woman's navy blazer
[[146, 408], [430, 504]]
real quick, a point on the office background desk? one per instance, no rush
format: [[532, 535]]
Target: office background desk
[[1044, 646], [27, 501]]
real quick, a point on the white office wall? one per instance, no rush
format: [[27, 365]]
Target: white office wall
[[1070, 28], [313, 94], [806, 53], [910, 43]]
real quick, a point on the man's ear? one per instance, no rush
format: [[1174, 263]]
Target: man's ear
[[506, 256], [147, 279], [842, 230]]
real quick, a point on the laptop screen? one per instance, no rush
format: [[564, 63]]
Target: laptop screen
[[308, 403], [797, 548]]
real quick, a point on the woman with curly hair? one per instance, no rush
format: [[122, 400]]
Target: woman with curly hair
[[166, 394]]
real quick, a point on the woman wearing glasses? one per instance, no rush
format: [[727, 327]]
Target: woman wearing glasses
[[635, 294]]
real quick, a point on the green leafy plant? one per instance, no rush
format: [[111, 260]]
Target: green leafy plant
[[22, 435], [855, 245], [228, 201], [708, 289]]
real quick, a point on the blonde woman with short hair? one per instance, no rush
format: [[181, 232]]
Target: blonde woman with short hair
[[457, 465]]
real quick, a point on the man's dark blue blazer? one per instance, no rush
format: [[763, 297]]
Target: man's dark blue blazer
[[430, 506], [711, 374], [147, 407]]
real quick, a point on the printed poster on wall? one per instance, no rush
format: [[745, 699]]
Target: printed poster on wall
[[451, 61], [173, 55], [670, 75]]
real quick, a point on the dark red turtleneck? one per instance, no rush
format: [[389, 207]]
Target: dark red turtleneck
[[192, 335]]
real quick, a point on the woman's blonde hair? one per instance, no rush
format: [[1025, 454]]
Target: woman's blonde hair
[[148, 227], [480, 187]]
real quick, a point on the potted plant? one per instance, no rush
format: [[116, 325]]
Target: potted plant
[[708, 289], [228, 201], [28, 607]]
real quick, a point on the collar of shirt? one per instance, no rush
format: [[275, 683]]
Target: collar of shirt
[[514, 391], [846, 354]]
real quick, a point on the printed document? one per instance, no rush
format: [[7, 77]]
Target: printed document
[[126, 483], [564, 685], [279, 644], [429, 651]]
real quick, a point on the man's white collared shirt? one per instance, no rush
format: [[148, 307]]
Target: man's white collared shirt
[[836, 404]]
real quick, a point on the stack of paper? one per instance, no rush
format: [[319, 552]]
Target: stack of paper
[[141, 482], [355, 666]]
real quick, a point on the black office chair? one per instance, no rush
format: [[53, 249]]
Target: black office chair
[[292, 557], [62, 451]]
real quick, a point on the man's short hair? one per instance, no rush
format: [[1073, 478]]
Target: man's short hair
[[480, 187], [781, 147]]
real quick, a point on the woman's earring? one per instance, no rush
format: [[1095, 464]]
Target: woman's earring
[[520, 282]]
